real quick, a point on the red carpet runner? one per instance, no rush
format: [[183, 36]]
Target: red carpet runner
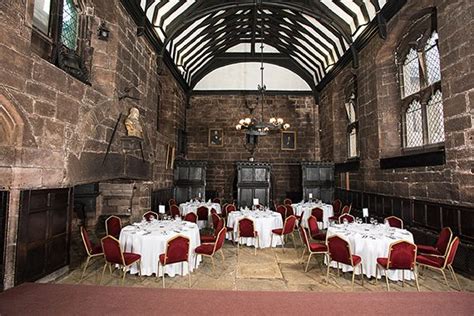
[[59, 299]]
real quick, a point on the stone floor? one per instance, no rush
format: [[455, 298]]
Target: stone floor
[[271, 269]]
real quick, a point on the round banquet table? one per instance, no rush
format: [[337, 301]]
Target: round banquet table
[[371, 242], [307, 207], [189, 207], [265, 222], [149, 240]]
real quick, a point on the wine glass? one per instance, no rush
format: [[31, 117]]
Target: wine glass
[[371, 220]]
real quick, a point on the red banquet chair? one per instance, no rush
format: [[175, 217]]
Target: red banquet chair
[[215, 218], [288, 229], [202, 213], [114, 255], [171, 202], [92, 251], [345, 210], [401, 256], [394, 221], [348, 217], [223, 210], [150, 215], [287, 201], [191, 217], [174, 211], [339, 250], [289, 211], [246, 229], [441, 246], [314, 230], [336, 206], [318, 213], [216, 200], [314, 248], [177, 250], [282, 210], [113, 226], [230, 208], [209, 249], [442, 263], [212, 238]]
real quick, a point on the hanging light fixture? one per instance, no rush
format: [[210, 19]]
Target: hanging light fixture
[[258, 126]]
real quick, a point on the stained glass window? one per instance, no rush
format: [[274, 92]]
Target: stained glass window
[[69, 25]]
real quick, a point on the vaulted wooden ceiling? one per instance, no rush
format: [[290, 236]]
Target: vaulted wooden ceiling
[[309, 36]]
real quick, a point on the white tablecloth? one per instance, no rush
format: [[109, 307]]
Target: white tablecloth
[[189, 207], [265, 222], [149, 240], [306, 208], [371, 242]]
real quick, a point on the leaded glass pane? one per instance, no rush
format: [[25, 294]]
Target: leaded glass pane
[[41, 13], [411, 73], [435, 118], [350, 111], [353, 143], [414, 125], [69, 27], [432, 60]]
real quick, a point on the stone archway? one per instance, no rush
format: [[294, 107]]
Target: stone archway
[[11, 124]]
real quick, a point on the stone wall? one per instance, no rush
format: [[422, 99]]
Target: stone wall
[[379, 111], [224, 111], [55, 129]]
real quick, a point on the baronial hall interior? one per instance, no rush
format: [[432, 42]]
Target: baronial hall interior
[[210, 157]]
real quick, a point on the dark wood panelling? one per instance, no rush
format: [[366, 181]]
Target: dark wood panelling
[[44, 233], [423, 218], [161, 197], [3, 218], [190, 180], [318, 179], [253, 182]]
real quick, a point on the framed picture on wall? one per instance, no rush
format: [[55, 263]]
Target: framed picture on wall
[[288, 140], [216, 136]]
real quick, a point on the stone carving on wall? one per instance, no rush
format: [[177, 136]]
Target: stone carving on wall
[[132, 123]]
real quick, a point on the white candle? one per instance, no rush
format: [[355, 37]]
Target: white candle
[[310, 195], [161, 209], [199, 194], [255, 202], [365, 212]]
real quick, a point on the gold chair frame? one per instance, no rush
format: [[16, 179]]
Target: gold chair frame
[[89, 255], [182, 262], [238, 235], [107, 227], [311, 253], [282, 236], [395, 217], [214, 251]]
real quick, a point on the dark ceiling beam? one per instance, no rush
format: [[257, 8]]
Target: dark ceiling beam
[[270, 58]]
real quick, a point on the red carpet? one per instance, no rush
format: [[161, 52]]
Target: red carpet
[[59, 299]]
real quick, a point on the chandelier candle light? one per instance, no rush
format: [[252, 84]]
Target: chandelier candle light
[[258, 127]]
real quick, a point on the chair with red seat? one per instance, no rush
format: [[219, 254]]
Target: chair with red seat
[[174, 211], [213, 211], [113, 226], [287, 201], [288, 229], [114, 255], [171, 201], [314, 248], [289, 211], [314, 230], [318, 213], [230, 208], [339, 250], [216, 200], [246, 229], [282, 210], [441, 247], [336, 206], [442, 263], [212, 238], [191, 217], [401, 256], [224, 211], [149, 216], [177, 250], [215, 218], [209, 249], [202, 213], [345, 210], [394, 221], [348, 217], [92, 251]]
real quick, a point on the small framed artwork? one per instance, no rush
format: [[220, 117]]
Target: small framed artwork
[[288, 140], [216, 137], [170, 152]]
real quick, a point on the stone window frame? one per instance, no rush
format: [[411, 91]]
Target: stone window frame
[[75, 62], [350, 97], [416, 38]]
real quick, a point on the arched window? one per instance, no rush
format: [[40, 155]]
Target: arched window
[[352, 122], [419, 68]]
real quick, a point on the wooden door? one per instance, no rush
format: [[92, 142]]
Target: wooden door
[[3, 217], [44, 233]]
